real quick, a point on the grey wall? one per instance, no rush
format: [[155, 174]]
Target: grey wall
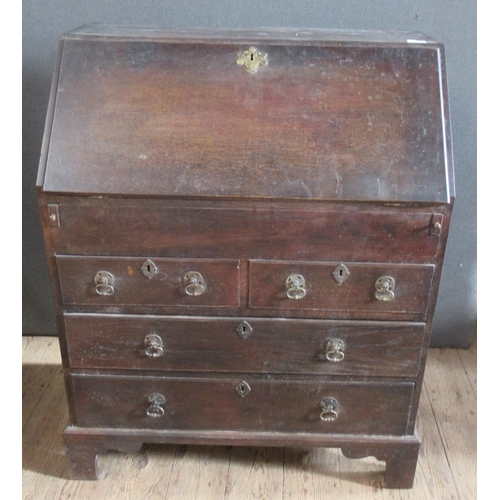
[[452, 22]]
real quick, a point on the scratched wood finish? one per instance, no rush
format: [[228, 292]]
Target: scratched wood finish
[[213, 344], [213, 403], [302, 473], [131, 286], [162, 146], [356, 293], [113, 226], [340, 121]]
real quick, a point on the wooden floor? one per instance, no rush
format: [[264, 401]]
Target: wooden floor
[[446, 467]]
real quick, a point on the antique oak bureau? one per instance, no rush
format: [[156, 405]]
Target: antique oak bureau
[[245, 232]]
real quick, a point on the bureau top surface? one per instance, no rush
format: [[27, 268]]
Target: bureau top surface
[[313, 114]]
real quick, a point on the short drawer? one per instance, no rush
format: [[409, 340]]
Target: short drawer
[[251, 345], [246, 404], [141, 281], [349, 289]]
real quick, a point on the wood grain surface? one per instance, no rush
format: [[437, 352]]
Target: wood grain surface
[[339, 121], [381, 349], [446, 468]]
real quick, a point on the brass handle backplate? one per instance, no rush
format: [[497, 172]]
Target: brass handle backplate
[[384, 288], [328, 407], [195, 284], [295, 286], [104, 282], [154, 345], [156, 404], [334, 350]]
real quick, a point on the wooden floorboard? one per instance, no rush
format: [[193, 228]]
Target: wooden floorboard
[[446, 469], [454, 405]]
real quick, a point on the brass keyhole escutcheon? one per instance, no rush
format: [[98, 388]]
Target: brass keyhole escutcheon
[[340, 273], [244, 329], [242, 388], [149, 268], [252, 59]]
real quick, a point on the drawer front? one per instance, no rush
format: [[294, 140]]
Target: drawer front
[[352, 290], [139, 281], [246, 405], [249, 345], [151, 228]]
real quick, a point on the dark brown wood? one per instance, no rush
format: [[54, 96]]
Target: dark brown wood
[[358, 122], [160, 146], [214, 344], [401, 461], [214, 403], [399, 453], [82, 453], [131, 286], [271, 231], [356, 294]]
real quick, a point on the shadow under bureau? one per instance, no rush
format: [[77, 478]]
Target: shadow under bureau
[[245, 233]]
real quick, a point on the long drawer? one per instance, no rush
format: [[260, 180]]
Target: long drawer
[[141, 227], [353, 289], [108, 281], [243, 404], [245, 345]]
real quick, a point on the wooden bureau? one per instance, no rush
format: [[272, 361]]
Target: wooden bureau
[[245, 232]]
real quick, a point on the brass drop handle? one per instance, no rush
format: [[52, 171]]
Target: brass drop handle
[[328, 407], [104, 282], [154, 345], [384, 288], [334, 350], [156, 404], [195, 284], [295, 286]]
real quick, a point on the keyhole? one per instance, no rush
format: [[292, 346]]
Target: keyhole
[[341, 273], [242, 388], [251, 57], [148, 268], [244, 329]]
